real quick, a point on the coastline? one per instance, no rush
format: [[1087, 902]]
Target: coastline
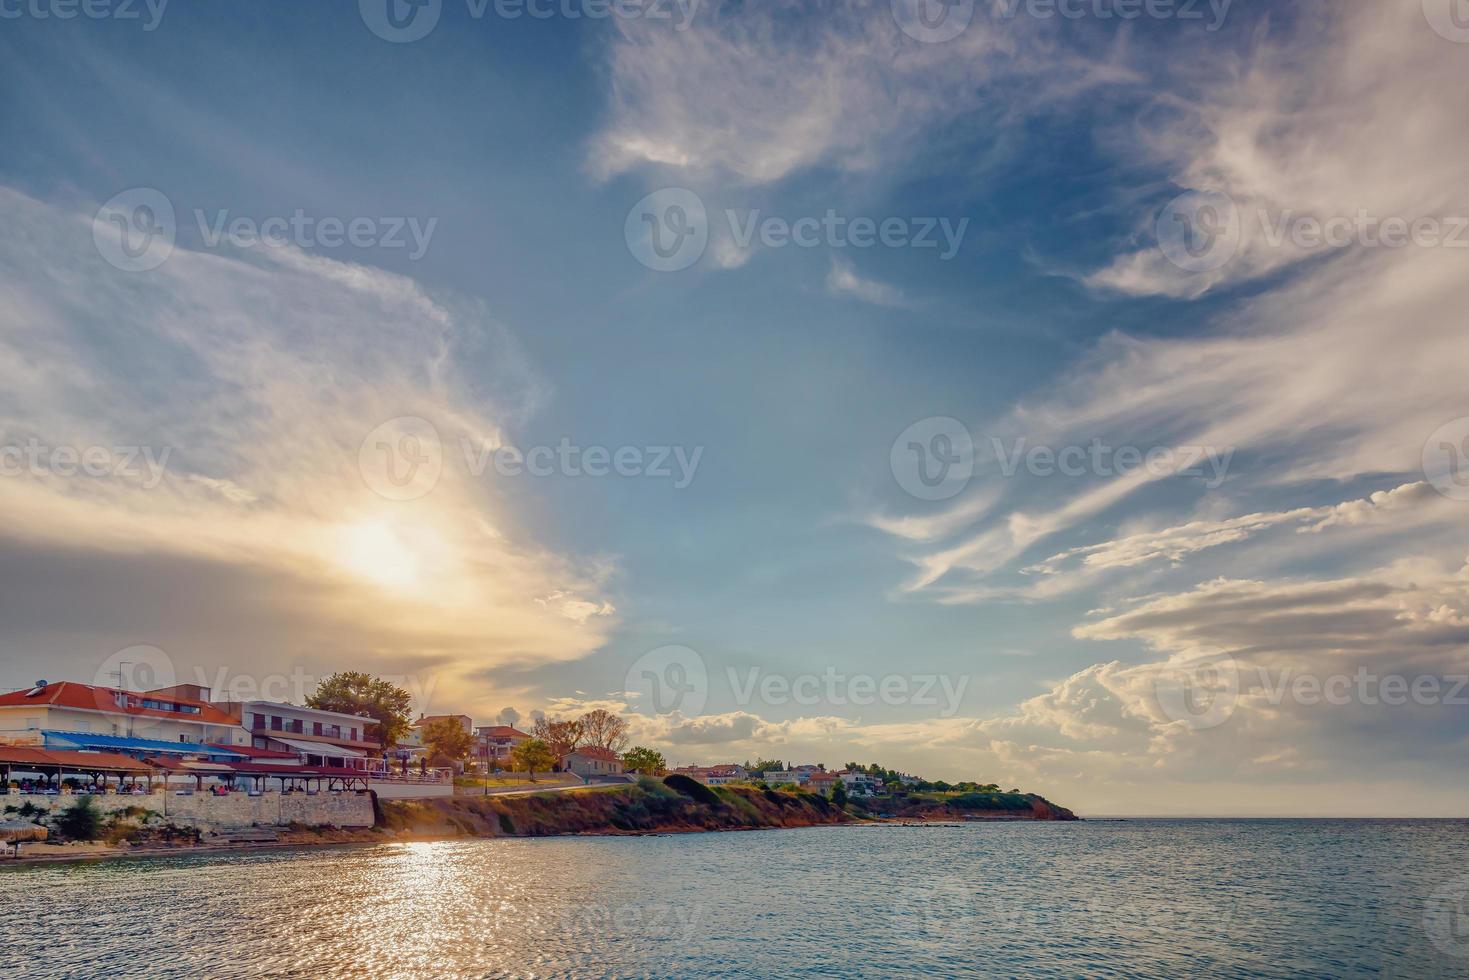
[[646, 808]]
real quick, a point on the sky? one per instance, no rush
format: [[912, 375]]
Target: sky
[[1067, 396]]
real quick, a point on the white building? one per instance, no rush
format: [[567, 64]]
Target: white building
[[67, 715], [318, 737]]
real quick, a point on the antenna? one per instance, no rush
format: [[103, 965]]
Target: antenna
[[120, 665]]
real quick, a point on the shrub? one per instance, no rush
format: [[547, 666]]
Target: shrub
[[691, 788], [80, 821]]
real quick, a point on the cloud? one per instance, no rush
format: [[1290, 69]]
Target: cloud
[[1303, 382], [842, 280], [758, 92], [261, 375]]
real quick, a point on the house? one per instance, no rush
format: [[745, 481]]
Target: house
[[859, 783], [821, 781], [591, 761], [715, 775], [494, 742], [781, 777], [69, 716], [315, 736]]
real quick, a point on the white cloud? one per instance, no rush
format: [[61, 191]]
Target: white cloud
[[843, 280], [262, 375]]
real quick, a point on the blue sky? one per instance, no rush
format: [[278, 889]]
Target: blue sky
[[1066, 608]]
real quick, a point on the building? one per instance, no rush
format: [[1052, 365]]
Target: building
[[68, 716], [859, 783], [715, 775], [494, 742], [592, 761], [315, 736], [821, 782], [782, 777]]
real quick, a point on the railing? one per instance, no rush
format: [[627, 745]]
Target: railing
[[411, 776]]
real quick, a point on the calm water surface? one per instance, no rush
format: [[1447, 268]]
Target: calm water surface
[[1136, 898]]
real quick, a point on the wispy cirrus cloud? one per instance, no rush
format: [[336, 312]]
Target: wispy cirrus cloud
[[262, 375]]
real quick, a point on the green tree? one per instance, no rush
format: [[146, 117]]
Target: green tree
[[445, 738], [561, 737], [839, 793], [768, 765], [81, 820], [356, 693], [531, 755], [639, 759]]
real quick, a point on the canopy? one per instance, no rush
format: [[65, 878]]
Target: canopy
[[121, 743], [320, 748]]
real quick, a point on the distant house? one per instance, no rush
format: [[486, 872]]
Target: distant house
[[821, 781], [781, 777], [591, 760], [496, 741], [715, 775]]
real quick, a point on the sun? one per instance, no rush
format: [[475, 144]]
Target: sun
[[383, 554]]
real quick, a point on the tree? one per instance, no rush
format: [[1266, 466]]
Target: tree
[[531, 755], [561, 737], [639, 759], [839, 793], [767, 765], [603, 729], [445, 738], [356, 693], [81, 820]]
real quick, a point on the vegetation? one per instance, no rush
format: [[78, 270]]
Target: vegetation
[[358, 693], [603, 729], [839, 793], [531, 755], [559, 735], [691, 788], [447, 740], [80, 821], [639, 759]]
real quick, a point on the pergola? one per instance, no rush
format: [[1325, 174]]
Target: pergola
[[294, 778], [54, 765]]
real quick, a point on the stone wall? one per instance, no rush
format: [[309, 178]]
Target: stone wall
[[237, 810]]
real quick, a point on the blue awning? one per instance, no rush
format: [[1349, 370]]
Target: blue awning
[[123, 743]]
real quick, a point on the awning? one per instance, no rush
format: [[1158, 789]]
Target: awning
[[120, 743], [320, 748]]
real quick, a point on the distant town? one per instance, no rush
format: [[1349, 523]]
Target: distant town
[[356, 734]]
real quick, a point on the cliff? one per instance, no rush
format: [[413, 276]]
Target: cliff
[[970, 806], [648, 806]]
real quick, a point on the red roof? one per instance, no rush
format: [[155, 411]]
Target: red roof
[[87, 697], [20, 755], [596, 752], [501, 731]]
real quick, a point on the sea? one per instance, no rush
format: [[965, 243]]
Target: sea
[[1124, 898]]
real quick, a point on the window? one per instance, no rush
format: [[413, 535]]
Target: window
[[275, 723], [316, 728]]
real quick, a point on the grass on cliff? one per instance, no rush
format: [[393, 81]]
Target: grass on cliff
[[643, 807]]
